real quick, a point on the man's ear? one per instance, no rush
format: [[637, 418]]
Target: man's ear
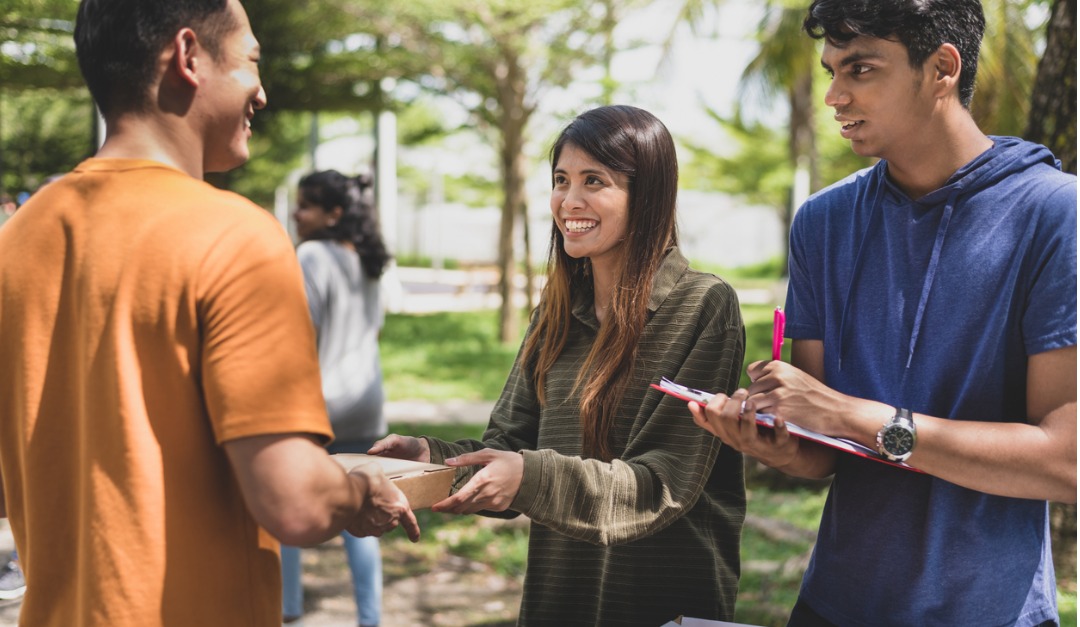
[[185, 51], [946, 66]]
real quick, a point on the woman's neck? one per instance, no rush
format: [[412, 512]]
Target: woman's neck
[[603, 276]]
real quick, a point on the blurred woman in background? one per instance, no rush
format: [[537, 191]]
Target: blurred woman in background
[[343, 256]]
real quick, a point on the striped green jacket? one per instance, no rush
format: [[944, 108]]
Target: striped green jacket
[[655, 533]]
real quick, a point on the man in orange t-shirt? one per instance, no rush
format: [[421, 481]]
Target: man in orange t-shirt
[[161, 416]]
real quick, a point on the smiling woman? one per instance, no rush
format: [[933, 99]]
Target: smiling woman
[[635, 517]]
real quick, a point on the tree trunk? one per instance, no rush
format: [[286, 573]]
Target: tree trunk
[[513, 117], [1052, 119], [507, 317], [1052, 122], [526, 239], [802, 146], [803, 140], [513, 207]]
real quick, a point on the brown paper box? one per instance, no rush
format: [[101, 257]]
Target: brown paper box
[[423, 484]]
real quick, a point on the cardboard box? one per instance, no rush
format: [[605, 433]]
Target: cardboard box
[[423, 484]]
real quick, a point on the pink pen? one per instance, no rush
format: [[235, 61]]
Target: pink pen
[[777, 333]]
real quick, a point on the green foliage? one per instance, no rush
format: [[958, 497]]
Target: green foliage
[[44, 132], [469, 189], [420, 123], [758, 168], [277, 148], [38, 48], [444, 355], [1008, 61], [472, 190]]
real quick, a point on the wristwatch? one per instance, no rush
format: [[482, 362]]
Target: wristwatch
[[896, 439]]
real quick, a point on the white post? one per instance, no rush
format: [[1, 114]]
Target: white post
[[386, 193], [801, 185], [386, 177], [281, 208]]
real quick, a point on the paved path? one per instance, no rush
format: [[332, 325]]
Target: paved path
[[446, 412]]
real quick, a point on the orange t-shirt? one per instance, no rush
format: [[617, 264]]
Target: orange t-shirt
[[145, 318]]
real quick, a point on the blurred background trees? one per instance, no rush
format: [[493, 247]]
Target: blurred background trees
[[499, 60]]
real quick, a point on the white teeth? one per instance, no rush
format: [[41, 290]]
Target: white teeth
[[580, 226]]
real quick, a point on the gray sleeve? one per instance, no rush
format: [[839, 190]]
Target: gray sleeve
[[313, 263]]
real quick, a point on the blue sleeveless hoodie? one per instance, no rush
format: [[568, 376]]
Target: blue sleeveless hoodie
[[935, 305]]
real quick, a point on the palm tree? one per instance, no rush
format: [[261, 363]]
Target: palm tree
[[1007, 66], [785, 64]]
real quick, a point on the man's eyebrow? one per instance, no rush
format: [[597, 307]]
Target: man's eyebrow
[[854, 57]]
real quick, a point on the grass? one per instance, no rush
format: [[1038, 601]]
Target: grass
[[773, 568], [1067, 606], [444, 355]]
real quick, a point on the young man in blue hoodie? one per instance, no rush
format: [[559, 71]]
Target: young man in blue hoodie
[[932, 307]]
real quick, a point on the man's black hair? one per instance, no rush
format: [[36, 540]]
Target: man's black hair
[[922, 26], [118, 42]]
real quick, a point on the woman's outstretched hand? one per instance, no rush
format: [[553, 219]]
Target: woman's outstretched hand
[[492, 488]]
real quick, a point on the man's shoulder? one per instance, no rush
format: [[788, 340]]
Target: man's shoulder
[[1049, 180], [164, 187]]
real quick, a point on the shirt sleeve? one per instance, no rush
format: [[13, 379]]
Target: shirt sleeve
[[260, 369], [802, 303], [1049, 320]]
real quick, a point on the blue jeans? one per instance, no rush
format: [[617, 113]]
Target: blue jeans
[[365, 563]]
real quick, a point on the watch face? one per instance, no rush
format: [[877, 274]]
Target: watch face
[[897, 440]]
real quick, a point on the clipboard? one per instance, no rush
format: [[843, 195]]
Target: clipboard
[[766, 420]]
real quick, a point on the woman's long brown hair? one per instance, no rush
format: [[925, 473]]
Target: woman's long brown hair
[[631, 141]]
